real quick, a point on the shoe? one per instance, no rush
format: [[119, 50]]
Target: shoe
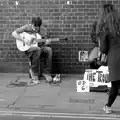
[[107, 109], [32, 75], [56, 78], [48, 77], [35, 82], [35, 79]]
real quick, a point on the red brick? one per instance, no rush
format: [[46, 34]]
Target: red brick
[[56, 30], [80, 29], [56, 14], [91, 14], [68, 29], [110, 1], [79, 37], [91, 6], [69, 22], [80, 6], [80, 2], [97, 2], [103, 1], [79, 14], [66, 6], [74, 10], [62, 10], [68, 10], [62, 2], [74, 2], [79, 21]]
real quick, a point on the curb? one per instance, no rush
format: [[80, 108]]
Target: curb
[[61, 115]]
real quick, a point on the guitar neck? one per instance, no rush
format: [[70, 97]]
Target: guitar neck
[[51, 39]]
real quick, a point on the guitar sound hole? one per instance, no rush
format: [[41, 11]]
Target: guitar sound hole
[[23, 44]]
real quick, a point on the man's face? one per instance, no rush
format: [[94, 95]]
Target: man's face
[[37, 28]]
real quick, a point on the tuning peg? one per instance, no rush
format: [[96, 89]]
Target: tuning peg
[[66, 39]]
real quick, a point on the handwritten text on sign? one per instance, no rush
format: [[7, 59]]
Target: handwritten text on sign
[[82, 86], [100, 77], [97, 78]]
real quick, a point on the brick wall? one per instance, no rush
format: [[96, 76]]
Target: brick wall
[[73, 20]]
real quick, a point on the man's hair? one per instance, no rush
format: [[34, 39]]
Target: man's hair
[[109, 7], [110, 20], [36, 21]]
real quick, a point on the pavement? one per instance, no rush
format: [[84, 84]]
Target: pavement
[[42, 99]]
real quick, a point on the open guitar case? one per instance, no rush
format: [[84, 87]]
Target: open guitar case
[[95, 65], [104, 88]]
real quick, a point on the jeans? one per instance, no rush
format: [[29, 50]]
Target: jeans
[[35, 54], [113, 92]]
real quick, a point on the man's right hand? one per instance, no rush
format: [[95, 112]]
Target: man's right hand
[[27, 42]]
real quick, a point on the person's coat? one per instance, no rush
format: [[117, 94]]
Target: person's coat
[[110, 45]]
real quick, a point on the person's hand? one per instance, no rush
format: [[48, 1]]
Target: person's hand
[[33, 38], [48, 41], [31, 41], [27, 42]]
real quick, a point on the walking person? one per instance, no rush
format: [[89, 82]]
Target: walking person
[[110, 45]]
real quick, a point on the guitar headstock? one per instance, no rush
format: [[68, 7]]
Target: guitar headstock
[[65, 39]]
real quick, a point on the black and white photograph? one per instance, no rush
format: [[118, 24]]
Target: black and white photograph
[[59, 60]]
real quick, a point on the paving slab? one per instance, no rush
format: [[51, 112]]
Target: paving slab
[[9, 94], [49, 97]]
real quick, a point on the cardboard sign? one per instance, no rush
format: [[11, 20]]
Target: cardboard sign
[[83, 55], [97, 78], [82, 86]]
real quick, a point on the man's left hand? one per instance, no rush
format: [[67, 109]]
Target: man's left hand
[[48, 41]]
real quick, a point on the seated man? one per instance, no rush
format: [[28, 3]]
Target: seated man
[[34, 53]]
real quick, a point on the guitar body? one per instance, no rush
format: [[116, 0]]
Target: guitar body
[[36, 38], [27, 37]]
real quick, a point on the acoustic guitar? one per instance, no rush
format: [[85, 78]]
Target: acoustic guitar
[[33, 39]]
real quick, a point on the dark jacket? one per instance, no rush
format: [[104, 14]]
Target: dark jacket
[[93, 34], [110, 45]]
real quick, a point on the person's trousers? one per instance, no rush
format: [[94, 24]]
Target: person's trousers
[[115, 85], [35, 54]]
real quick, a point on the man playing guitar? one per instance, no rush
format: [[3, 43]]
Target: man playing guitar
[[34, 52]]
